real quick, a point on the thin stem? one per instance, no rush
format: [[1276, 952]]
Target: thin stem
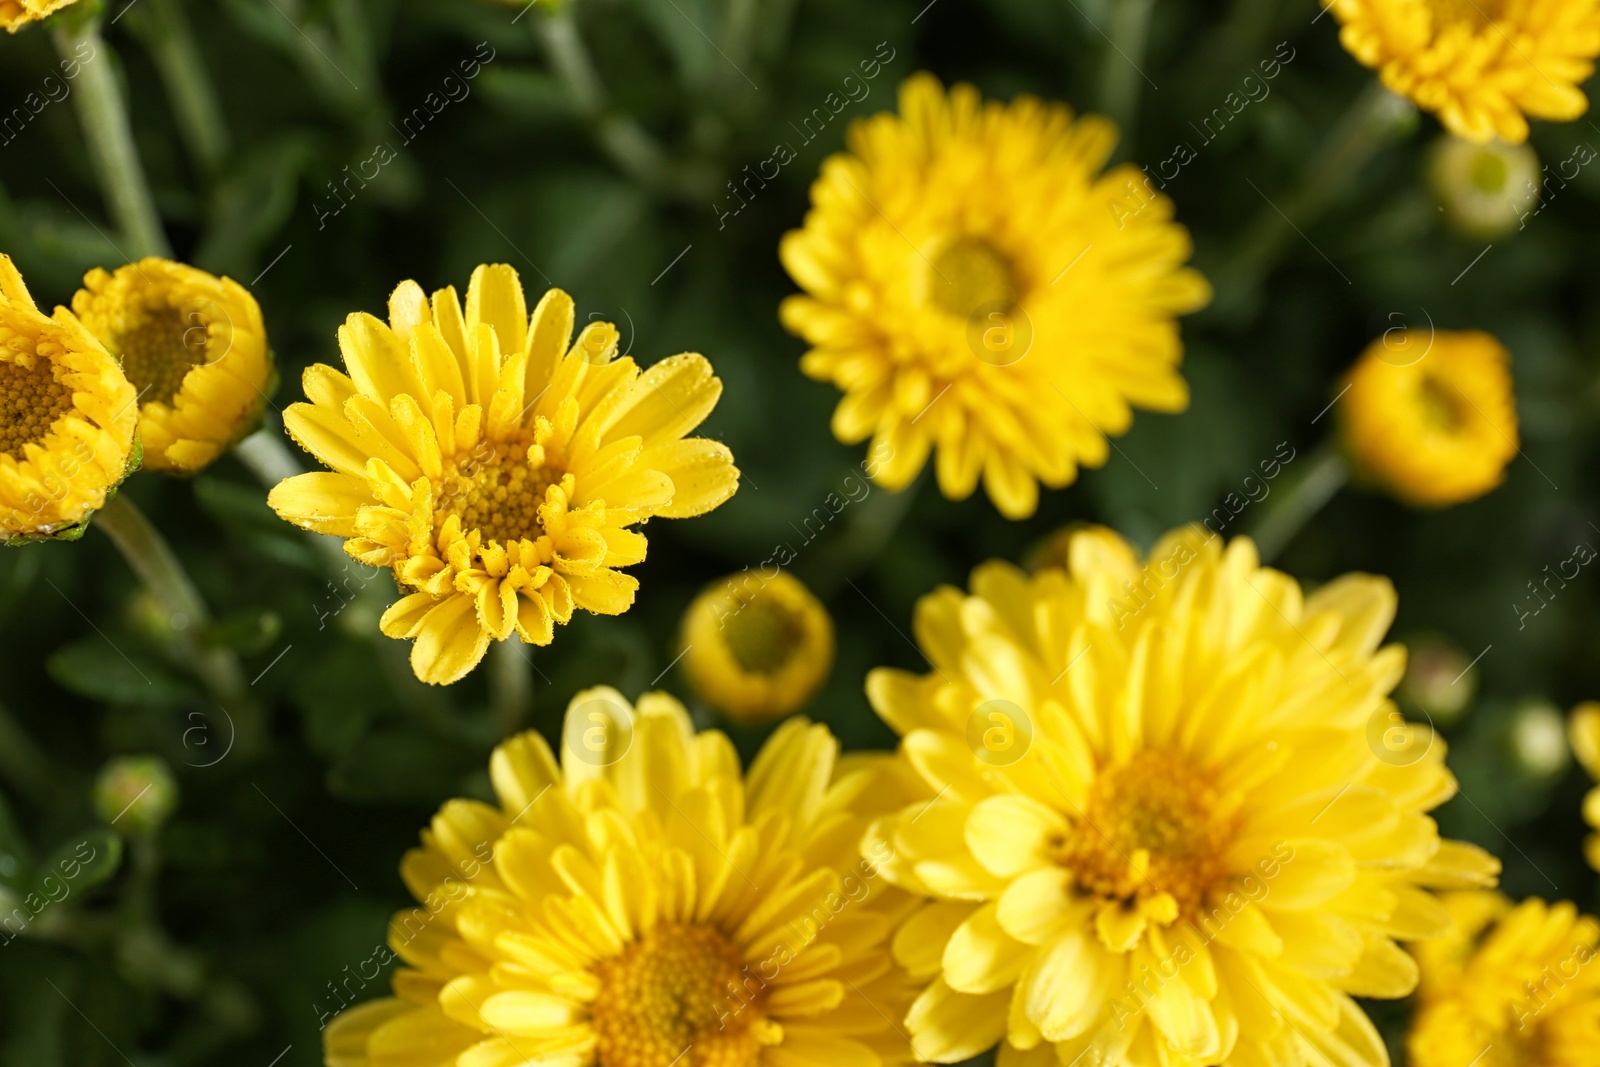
[[510, 684], [104, 117], [1376, 118], [266, 455], [1121, 79], [1300, 501], [153, 560], [164, 27], [628, 144]]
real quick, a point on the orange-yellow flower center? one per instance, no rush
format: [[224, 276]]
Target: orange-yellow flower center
[[159, 345], [682, 996], [1153, 825], [969, 273], [496, 491], [31, 399], [763, 634], [1443, 405], [1473, 14]]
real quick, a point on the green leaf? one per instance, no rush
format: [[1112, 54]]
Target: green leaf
[[93, 667], [81, 862], [16, 855], [247, 632]]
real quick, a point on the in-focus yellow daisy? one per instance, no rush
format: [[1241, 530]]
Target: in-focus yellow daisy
[[642, 905], [756, 647], [195, 348], [1170, 815], [1484, 67], [1584, 732], [975, 283], [495, 464], [1430, 415], [15, 14], [67, 418], [1509, 986]]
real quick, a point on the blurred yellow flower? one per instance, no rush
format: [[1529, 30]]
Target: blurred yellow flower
[[1430, 415], [974, 282], [1484, 68], [495, 465], [195, 348], [644, 905], [1509, 986], [1485, 189], [757, 647], [15, 14], [67, 418], [1169, 815], [1584, 731]]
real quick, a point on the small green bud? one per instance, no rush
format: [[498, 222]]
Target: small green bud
[[135, 794]]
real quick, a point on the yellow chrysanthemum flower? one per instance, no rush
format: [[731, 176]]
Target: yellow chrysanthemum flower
[[1584, 731], [15, 14], [195, 348], [1486, 190], [1170, 815], [1509, 986], [756, 647], [67, 418], [1430, 415], [495, 465], [1484, 67], [641, 905], [975, 283]]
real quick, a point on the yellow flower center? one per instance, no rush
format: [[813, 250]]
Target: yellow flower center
[[762, 635], [31, 400], [159, 346], [1153, 825], [1443, 405], [1489, 171], [1473, 14], [969, 273], [496, 491], [681, 995]]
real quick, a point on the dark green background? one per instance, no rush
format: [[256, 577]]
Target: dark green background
[[359, 754]]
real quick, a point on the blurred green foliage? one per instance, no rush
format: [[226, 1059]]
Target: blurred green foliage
[[236, 927]]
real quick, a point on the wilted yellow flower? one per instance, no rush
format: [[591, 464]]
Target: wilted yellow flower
[[15, 14], [1584, 731], [1484, 68], [495, 465], [974, 282], [757, 647], [1170, 815], [67, 418], [1485, 189], [1509, 986], [195, 348], [1430, 415], [643, 905]]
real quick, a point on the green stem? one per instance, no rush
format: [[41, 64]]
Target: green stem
[[153, 560], [164, 27], [510, 684], [1314, 486], [266, 455], [104, 116], [628, 144], [1121, 78], [1376, 118]]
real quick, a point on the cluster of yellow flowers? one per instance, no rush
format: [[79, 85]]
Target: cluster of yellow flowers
[[157, 361], [1136, 816]]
